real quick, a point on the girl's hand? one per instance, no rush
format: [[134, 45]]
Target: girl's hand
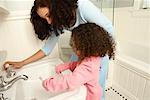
[[58, 69], [15, 65]]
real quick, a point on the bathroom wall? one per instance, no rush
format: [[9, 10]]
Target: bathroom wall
[[18, 39], [18, 5], [132, 26], [133, 33]]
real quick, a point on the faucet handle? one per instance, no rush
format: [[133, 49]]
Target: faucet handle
[[10, 72], [2, 82]]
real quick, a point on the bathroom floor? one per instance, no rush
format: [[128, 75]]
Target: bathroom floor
[[112, 94]]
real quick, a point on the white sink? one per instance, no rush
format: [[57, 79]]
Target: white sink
[[32, 88]]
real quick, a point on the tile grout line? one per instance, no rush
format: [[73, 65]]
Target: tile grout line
[[116, 92]]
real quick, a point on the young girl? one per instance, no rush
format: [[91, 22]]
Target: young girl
[[90, 42]]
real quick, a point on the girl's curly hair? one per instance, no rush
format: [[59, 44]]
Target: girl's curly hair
[[92, 40], [62, 13]]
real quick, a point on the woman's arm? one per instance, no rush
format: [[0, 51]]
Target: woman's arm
[[50, 44], [47, 49], [38, 55]]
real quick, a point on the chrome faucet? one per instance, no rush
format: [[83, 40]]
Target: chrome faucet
[[10, 72], [6, 85]]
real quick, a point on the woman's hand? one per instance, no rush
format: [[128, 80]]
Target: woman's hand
[[38, 55], [15, 65]]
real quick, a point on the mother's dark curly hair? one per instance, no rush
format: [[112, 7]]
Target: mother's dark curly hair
[[62, 13], [92, 40]]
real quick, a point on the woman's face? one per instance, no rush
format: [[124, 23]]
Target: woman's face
[[43, 12]]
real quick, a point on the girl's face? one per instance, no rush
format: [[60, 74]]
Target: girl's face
[[43, 12]]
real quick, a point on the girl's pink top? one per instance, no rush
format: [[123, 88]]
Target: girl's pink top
[[86, 73]]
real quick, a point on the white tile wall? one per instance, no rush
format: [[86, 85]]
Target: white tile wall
[[17, 37]]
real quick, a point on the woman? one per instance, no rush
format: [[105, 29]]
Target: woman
[[51, 17]]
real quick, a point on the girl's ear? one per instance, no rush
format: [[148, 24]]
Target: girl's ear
[[78, 53]]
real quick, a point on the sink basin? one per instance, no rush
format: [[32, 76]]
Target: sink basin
[[32, 88]]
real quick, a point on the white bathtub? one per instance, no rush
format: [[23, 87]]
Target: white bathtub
[[32, 88], [131, 77]]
